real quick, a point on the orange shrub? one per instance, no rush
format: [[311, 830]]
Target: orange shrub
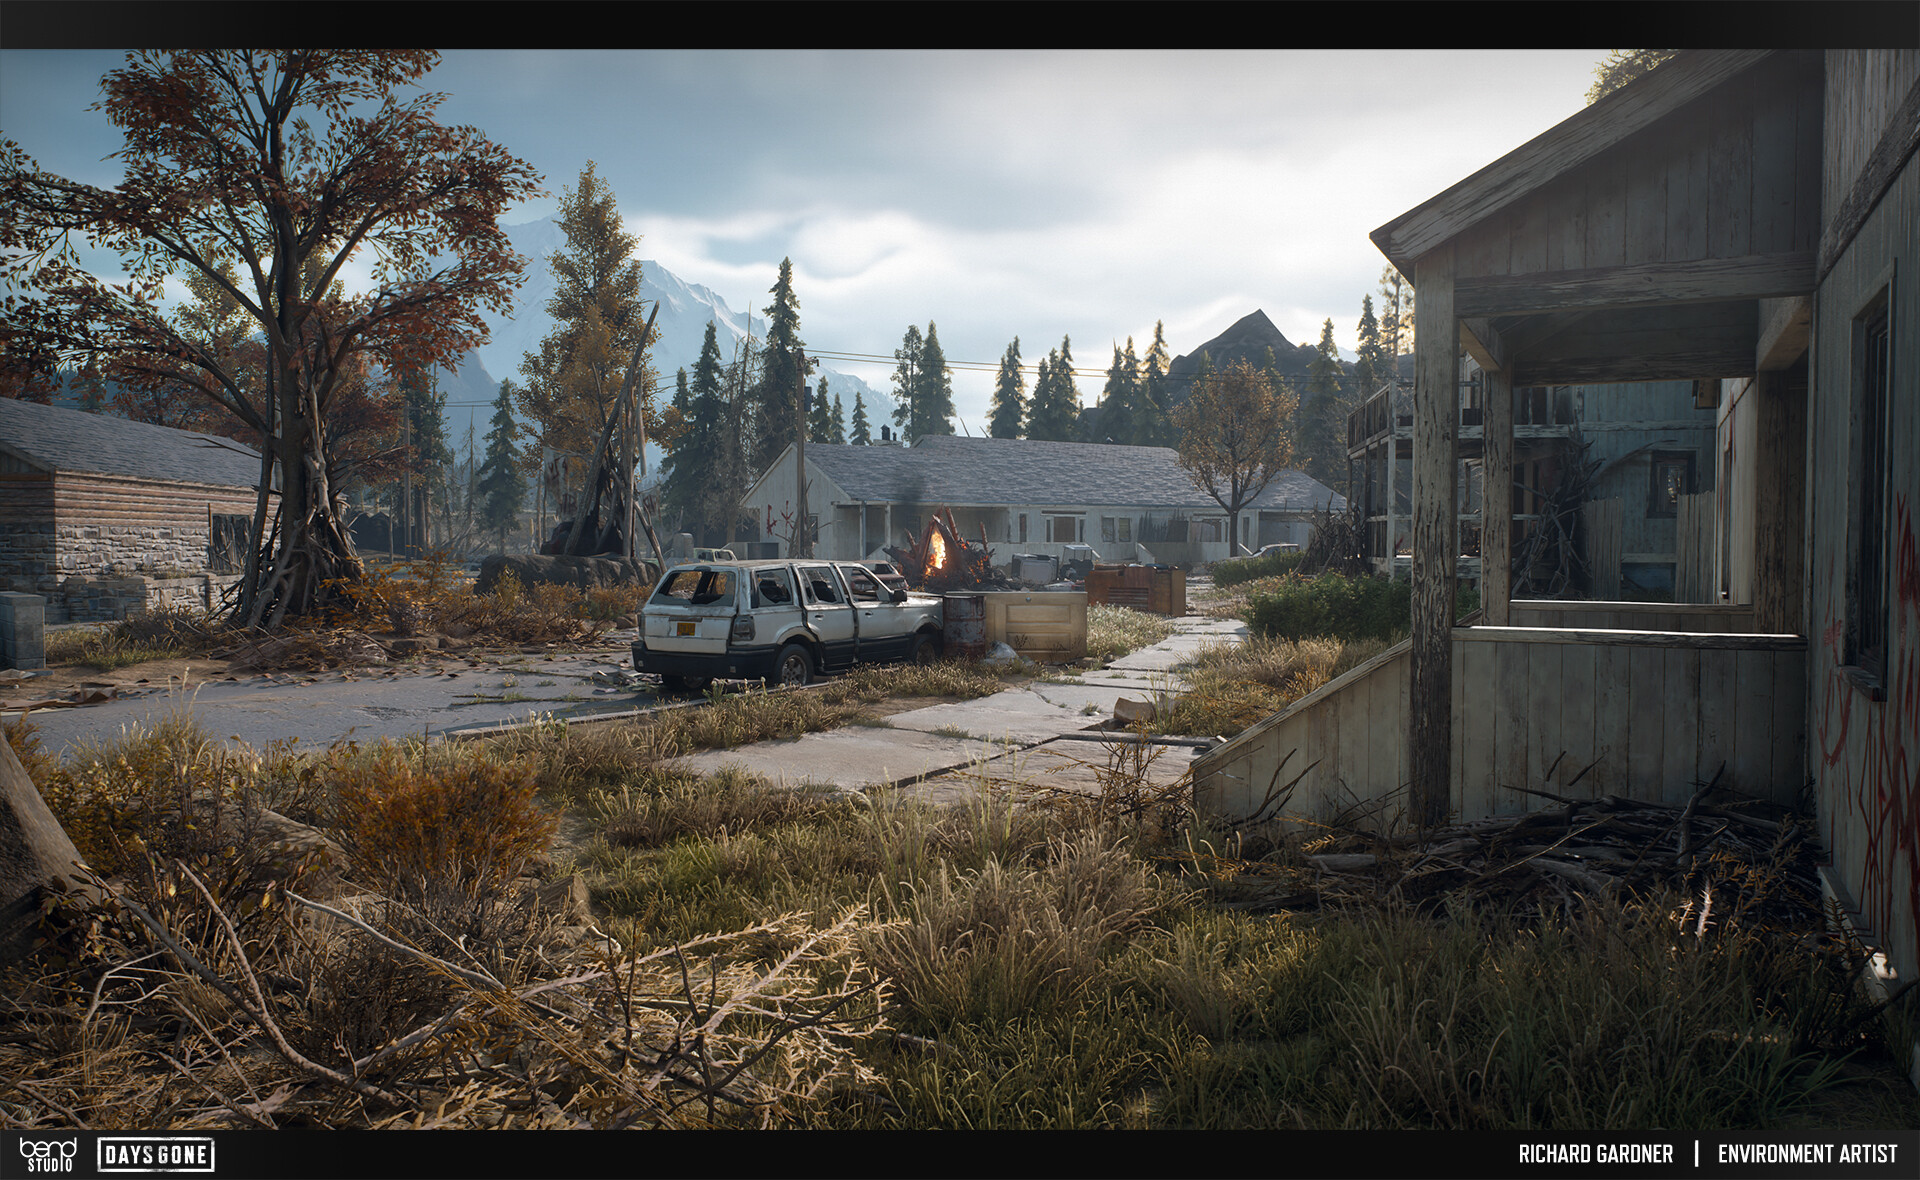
[[414, 823]]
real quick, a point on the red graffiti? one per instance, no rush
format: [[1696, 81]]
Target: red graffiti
[[1877, 784]]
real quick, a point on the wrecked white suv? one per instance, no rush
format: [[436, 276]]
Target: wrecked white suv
[[781, 621]]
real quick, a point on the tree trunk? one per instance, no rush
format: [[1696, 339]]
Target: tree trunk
[[34, 852], [313, 554]]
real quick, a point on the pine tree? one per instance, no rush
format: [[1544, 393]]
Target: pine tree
[[1053, 414], [820, 416], [1324, 413], [1156, 426], [1372, 367], [1118, 418], [696, 480], [574, 379], [933, 390], [862, 430], [906, 379], [1009, 395], [1396, 313], [839, 417], [502, 488], [774, 418]]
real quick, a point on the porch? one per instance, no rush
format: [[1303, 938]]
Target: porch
[[1580, 699]]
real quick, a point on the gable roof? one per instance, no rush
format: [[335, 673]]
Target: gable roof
[[1688, 76], [1019, 472], [58, 439]]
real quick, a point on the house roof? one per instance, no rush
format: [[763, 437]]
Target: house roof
[[1633, 108], [947, 469], [58, 439]]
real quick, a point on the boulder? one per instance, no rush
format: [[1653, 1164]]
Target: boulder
[[582, 573], [36, 857]]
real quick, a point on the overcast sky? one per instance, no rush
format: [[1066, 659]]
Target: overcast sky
[[997, 193]]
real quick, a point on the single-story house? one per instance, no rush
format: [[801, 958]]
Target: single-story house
[[1745, 218], [104, 516], [1128, 503]]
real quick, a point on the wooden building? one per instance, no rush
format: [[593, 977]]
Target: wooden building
[[1651, 444], [103, 516], [1027, 496], [1747, 218]]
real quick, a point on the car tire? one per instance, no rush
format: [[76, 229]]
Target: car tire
[[794, 667], [925, 650], [671, 683]]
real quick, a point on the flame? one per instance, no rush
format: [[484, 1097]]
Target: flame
[[936, 550]]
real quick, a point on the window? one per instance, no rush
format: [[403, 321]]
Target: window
[[1672, 479], [1116, 529], [818, 580], [773, 586], [1023, 528], [1066, 529], [696, 587], [1866, 621]]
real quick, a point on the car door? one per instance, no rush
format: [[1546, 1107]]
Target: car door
[[829, 615], [882, 623]]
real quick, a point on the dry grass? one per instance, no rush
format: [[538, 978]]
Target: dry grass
[[1113, 631], [1236, 685]]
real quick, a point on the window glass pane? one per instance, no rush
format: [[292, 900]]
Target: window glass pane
[[818, 579], [773, 587]]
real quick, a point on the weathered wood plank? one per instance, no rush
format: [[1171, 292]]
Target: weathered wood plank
[[1460, 804], [1647, 722], [1893, 149], [1719, 689], [1636, 638], [1577, 702], [1641, 284], [1606, 244], [1789, 728], [1435, 500], [1612, 729], [1773, 168], [1546, 712], [1480, 715], [1511, 725], [1785, 327], [1752, 770], [1646, 198], [1521, 172], [1680, 744], [1496, 516], [1780, 400], [1730, 186]]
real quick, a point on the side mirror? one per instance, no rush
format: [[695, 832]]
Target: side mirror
[[898, 595]]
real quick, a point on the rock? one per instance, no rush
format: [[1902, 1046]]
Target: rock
[[1000, 653], [583, 573], [411, 645], [36, 858], [1132, 712]]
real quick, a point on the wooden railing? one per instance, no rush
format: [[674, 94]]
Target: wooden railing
[[1645, 714]]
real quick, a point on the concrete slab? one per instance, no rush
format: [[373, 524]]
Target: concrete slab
[[1051, 768], [856, 757]]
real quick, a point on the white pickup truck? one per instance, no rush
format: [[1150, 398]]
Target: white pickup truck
[[781, 621]]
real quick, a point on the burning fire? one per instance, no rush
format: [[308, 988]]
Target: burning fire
[[941, 559], [936, 551]]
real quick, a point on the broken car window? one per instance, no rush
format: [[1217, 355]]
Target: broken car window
[[772, 587], [818, 580], [696, 587]]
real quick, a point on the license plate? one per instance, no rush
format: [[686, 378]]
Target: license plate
[[683, 627]]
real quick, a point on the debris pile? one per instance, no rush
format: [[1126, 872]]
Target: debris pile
[[942, 560], [1730, 862]]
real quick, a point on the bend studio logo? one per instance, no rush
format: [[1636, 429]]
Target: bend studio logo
[[48, 1155]]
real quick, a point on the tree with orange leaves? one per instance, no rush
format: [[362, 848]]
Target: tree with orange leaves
[[266, 173], [1234, 437]]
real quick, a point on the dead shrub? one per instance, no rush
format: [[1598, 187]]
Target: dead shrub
[[412, 823]]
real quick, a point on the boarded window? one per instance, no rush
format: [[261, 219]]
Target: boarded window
[[227, 548], [1672, 479], [1867, 495], [1066, 529]]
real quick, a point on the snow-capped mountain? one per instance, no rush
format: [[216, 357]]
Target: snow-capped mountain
[[685, 309]]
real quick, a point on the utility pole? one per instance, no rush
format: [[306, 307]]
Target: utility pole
[[802, 538]]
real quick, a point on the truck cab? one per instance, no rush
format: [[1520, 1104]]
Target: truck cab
[[782, 621]]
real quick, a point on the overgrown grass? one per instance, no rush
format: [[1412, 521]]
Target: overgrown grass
[[164, 633], [1044, 965], [1113, 631], [1235, 685], [1245, 569]]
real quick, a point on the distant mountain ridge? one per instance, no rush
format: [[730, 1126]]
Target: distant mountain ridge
[[1247, 339], [685, 309]]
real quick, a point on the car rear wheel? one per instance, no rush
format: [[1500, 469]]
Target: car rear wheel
[[685, 683], [794, 667]]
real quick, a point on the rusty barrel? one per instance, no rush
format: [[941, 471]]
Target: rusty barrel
[[964, 625]]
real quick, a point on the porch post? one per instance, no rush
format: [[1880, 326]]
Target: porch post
[[1496, 499], [1780, 398], [1436, 428]]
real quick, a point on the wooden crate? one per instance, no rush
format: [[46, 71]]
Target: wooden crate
[[1142, 587], [1048, 626]]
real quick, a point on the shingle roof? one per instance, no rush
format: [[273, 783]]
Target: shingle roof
[[72, 440], [948, 469]]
